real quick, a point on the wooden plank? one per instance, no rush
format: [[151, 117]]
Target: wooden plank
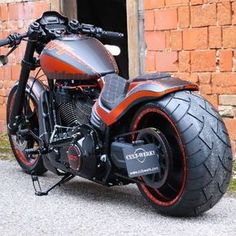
[[55, 5], [133, 39], [69, 8]]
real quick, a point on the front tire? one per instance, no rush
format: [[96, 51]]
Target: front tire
[[33, 163], [201, 160]]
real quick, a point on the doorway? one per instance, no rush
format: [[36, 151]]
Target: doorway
[[110, 15]]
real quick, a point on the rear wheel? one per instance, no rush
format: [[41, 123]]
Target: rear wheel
[[19, 144], [197, 159]]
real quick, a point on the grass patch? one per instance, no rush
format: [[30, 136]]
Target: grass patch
[[232, 186], [5, 150]]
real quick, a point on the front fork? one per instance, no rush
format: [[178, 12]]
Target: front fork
[[28, 64]]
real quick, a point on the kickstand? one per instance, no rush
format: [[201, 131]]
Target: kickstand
[[37, 186]]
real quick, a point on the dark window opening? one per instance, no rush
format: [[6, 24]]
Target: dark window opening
[[110, 15]]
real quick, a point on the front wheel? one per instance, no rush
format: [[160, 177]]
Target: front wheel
[[29, 163], [197, 168]]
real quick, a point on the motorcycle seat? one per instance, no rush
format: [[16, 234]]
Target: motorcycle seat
[[114, 90], [151, 76]]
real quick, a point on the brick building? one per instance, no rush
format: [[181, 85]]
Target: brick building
[[194, 39]]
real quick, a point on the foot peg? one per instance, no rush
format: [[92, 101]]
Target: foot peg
[[37, 186]]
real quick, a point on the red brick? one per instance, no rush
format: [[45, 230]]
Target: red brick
[[213, 99], [153, 4], [226, 60], [2, 126], [193, 78], [176, 40], [225, 90], [4, 12], [28, 9], [203, 15], [168, 39], [176, 2], [184, 17], [13, 11], [2, 100], [155, 40], [224, 80], [204, 78], [231, 127], [187, 76], [215, 37], [1, 77], [16, 11], [229, 37], [2, 113], [149, 20], [8, 84], [166, 61], [20, 52], [7, 72], [166, 19], [39, 8], [15, 71], [12, 25], [196, 2], [224, 13], [196, 38], [205, 89], [184, 61], [233, 13], [182, 76], [150, 62], [203, 61]]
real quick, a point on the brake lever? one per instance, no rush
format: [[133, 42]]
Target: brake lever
[[13, 48], [14, 40]]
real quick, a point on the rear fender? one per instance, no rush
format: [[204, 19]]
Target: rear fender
[[141, 91]]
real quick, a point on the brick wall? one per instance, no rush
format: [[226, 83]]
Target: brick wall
[[15, 16], [196, 39]]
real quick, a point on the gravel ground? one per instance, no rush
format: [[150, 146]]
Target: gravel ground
[[84, 208]]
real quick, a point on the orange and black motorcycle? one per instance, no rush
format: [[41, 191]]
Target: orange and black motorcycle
[[153, 130]]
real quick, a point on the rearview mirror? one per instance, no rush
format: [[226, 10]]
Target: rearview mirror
[[3, 60], [113, 49]]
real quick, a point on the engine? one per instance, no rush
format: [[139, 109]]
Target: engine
[[81, 154], [74, 107], [74, 104]]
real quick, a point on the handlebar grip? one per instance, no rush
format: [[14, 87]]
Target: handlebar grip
[[4, 42], [111, 34]]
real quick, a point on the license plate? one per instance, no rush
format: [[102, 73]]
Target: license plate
[[141, 160]]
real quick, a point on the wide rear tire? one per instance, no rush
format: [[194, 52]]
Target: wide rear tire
[[201, 159]]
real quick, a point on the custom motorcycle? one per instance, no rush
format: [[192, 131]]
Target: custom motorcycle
[[85, 120]]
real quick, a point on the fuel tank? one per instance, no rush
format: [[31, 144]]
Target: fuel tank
[[76, 57]]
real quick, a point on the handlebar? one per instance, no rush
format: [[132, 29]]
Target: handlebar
[[97, 31], [13, 39], [73, 27], [4, 42], [111, 34]]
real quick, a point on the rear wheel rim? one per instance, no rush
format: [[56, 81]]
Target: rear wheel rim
[[172, 190]]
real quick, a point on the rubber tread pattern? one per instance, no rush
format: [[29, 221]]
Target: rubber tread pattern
[[208, 150]]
